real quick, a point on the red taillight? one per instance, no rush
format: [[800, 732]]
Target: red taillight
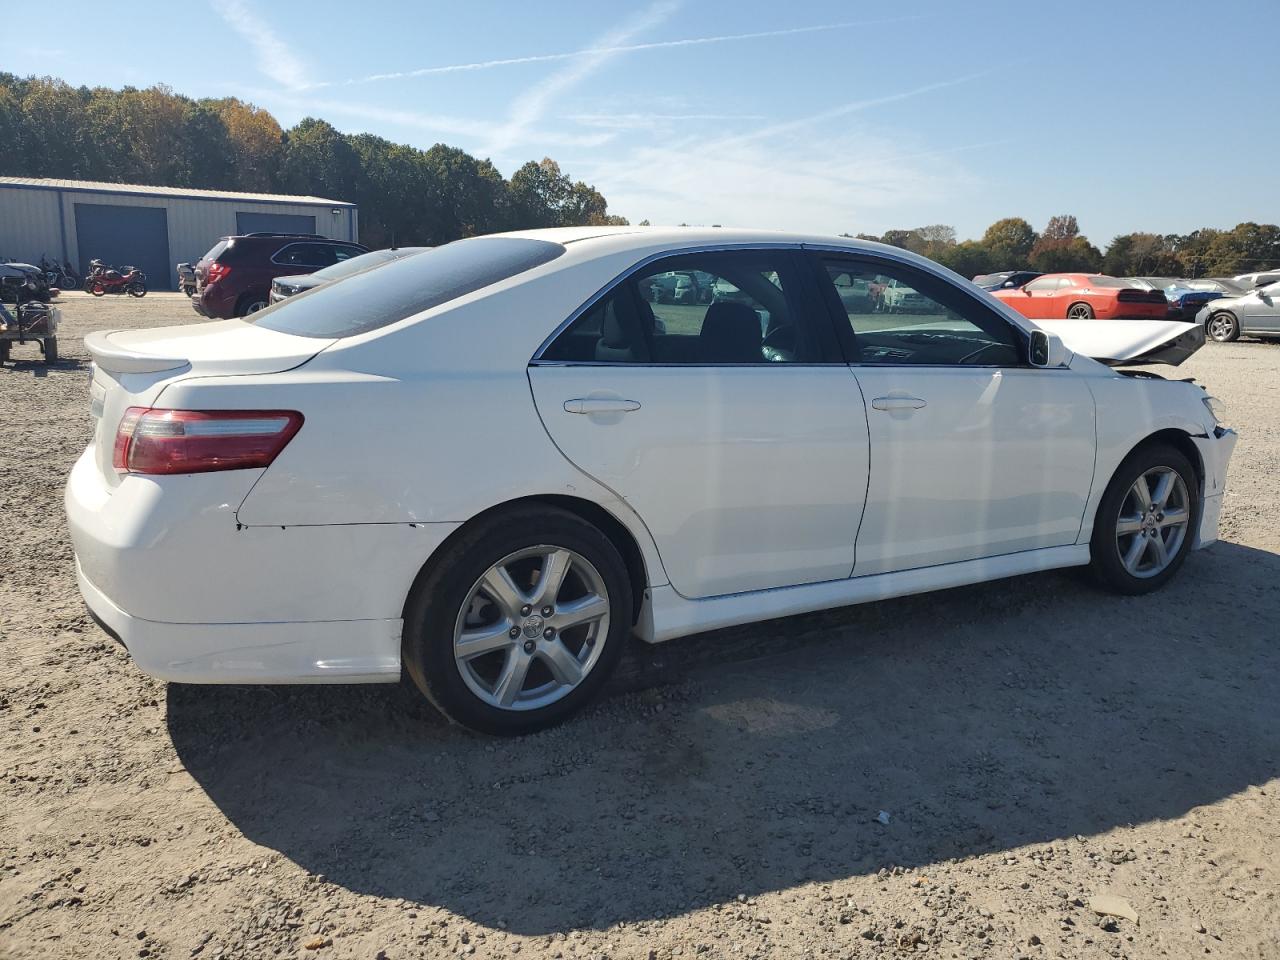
[[216, 272], [198, 441]]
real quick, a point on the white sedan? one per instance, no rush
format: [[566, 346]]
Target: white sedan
[[488, 464]]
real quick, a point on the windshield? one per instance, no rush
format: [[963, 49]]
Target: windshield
[[376, 298], [366, 261]]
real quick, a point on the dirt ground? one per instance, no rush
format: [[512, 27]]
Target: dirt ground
[[1036, 746]]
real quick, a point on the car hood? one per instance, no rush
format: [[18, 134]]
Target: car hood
[[1130, 342]]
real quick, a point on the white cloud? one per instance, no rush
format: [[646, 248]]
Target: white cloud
[[609, 49], [528, 108], [275, 59]]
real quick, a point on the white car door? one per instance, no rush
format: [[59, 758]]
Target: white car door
[[733, 428], [973, 453]]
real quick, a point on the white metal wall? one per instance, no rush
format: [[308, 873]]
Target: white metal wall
[[30, 225]]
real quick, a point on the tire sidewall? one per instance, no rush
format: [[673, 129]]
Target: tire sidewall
[[1104, 550], [436, 600]]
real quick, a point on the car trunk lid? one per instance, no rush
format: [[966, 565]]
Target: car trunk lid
[[133, 367]]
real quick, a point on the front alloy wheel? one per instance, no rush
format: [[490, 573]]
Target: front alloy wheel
[[1146, 520], [1223, 327], [1153, 522]]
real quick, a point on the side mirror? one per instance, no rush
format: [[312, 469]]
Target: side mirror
[[1047, 350]]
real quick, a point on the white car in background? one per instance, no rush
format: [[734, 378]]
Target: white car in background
[[489, 463]]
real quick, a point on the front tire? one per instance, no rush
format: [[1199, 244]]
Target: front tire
[[1146, 521], [50, 345], [1223, 327], [1080, 311], [520, 622], [97, 289]]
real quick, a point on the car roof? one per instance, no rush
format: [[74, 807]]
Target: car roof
[[589, 242]]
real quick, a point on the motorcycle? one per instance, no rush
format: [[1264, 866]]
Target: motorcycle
[[104, 279], [62, 276], [187, 279]]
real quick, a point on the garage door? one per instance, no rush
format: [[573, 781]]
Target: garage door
[[274, 223], [126, 235]]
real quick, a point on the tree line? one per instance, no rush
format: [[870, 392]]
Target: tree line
[[157, 137], [1013, 244]]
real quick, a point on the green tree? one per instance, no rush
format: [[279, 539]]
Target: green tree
[[1009, 241], [1141, 255], [969, 258], [1076, 255], [318, 161]]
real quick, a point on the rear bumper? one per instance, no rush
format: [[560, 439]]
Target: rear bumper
[[342, 651], [197, 597]]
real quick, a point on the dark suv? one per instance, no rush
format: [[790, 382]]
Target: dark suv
[[234, 278]]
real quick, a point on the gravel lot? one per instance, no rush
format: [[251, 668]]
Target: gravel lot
[[1037, 745]]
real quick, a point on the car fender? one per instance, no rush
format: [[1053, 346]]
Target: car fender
[[1130, 411]]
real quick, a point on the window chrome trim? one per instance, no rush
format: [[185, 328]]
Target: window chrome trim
[[993, 304]]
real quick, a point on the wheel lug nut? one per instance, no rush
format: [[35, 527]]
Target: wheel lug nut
[[548, 633], [548, 611], [513, 632], [526, 610], [528, 646]]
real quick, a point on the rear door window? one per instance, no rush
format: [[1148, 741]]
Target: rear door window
[[706, 309], [377, 298]]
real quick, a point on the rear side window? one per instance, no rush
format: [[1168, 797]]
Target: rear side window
[[404, 287], [217, 250], [704, 309]]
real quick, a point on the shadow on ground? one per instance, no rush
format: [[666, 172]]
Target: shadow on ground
[[754, 759]]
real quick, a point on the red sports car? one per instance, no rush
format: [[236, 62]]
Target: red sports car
[[1082, 296]]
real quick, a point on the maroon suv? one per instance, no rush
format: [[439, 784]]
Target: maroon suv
[[234, 278]]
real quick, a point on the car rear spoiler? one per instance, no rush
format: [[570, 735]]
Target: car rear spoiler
[[118, 359]]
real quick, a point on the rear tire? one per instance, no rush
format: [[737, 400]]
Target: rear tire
[[136, 289], [1223, 327], [4, 351], [565, 668], [50, 345], [1140, 540], [1080, 311], [250, 304], [97, 289]]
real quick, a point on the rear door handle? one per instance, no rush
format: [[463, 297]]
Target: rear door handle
[[600, 405], [897, 403]]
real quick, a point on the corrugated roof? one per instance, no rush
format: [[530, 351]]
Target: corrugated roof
[[92, 185]]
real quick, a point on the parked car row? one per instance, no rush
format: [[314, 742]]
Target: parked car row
[[1227, 306]]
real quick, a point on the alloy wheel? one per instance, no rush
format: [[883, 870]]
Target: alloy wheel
[[1153, 521], [1079, 312], [1220, 327], [531, 628]]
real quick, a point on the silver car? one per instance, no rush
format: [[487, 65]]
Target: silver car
[[1257, 314]]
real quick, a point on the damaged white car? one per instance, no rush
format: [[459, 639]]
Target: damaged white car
[[488, 464]]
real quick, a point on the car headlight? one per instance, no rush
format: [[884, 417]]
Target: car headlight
[[1217, 409]]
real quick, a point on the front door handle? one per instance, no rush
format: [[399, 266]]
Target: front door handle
[[600, 405], [897, 403]]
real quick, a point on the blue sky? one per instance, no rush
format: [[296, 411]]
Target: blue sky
[[820, 116]]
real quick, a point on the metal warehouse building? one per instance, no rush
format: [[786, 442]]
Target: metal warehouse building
[[150, 227]]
